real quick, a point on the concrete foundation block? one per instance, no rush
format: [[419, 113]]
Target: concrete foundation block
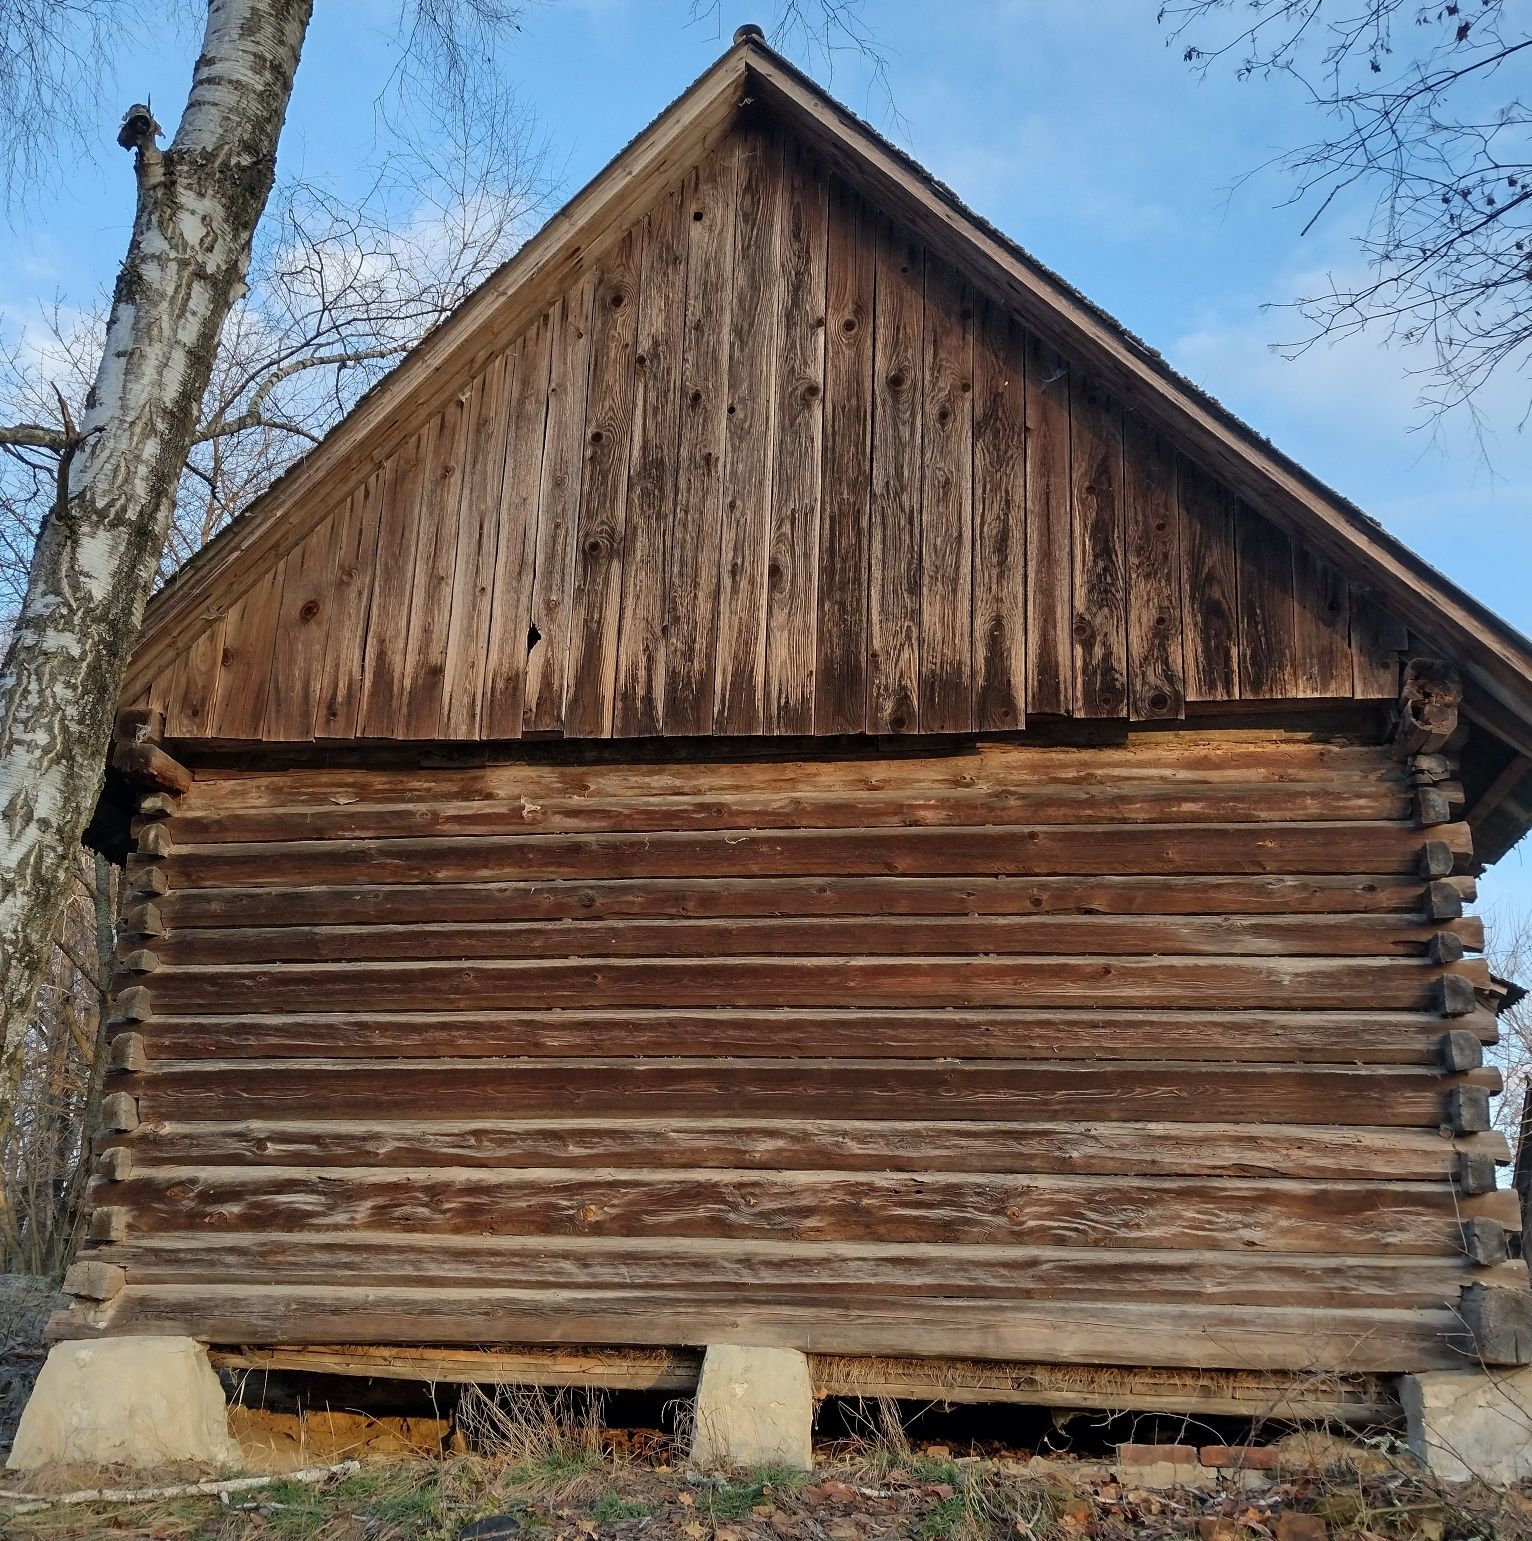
[[133, 1401], [1465, 1424], [755, 1407]]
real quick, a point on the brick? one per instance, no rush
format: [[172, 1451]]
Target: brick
[[1242, 1457], [1153, 1455]]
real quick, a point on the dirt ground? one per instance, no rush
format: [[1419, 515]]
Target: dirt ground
[[934, 1494]]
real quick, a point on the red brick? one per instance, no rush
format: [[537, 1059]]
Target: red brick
[[1242, 1457], [1152, 1455]]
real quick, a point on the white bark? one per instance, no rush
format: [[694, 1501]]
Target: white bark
[[198, 205]]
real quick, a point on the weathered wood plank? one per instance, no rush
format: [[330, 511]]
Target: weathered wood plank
[[1084, 850], [1049, 603], [755, 300], [1099, 628], [894, 584], [423, 705], [1211, 1214], [1209, 585], [1163, 803], [1276, 1037], [600, 534], [473, 571], [384, 680], [1024, 1092], [873, 936], [1378, 642], [191, 691], [528, 373], [843, 1271], [339, 703], [792, 572], [249, 632], [696, 535], [947, 551], [1156, 645], [298, 642], [640, 691], [558, 503], [1321, 659], [1122, 1147], [1185, 1336], [613, 899], [845, 525], [1267, 611], [999, 641]]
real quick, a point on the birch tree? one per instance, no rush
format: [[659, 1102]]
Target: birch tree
[[198, 203]]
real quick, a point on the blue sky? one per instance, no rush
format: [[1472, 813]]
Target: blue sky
[[1072, 127]]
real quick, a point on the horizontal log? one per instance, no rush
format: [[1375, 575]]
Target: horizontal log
[[843, 1270], [872, 936], [1187, 757], [1214, 1214], [1083, 850], [411, 904], [801, 1088], [826, 808], [148, 766], [1184, 1336], [1120, 1147], [1278, 1037], [1038, 982]]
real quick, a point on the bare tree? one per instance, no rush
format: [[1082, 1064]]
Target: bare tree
[[338, 290], [1426, 146]]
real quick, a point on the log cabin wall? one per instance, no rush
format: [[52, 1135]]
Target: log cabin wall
[[769, 467], [1128, 1053]]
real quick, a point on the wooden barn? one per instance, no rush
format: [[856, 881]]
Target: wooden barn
[[784, 781]]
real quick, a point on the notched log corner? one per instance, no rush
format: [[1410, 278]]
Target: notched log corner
[[1428, 706], [1499, 1323]]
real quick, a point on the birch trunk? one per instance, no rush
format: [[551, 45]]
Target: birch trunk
[[198, 205]]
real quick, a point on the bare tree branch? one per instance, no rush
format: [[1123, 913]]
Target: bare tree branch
[[1428, 150]]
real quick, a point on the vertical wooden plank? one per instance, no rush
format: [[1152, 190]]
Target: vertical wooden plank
[[841, 631], [339, 701], [692, 584], [1265, 612], [423, 708], [557, 510], [792, 572], [244, 664], [946, 505], [749, 437], [473, 572], [1321, 658], [893, 704], [510, 600], [1209, 585], [596, 594], [1049, 583], [1156, 651], [1100, 625], [297, 658], [1377, 642], [652, 470], [191, 691], [388, 629], [999, 520]]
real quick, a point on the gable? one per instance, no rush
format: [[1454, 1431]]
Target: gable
[[771, 465]]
